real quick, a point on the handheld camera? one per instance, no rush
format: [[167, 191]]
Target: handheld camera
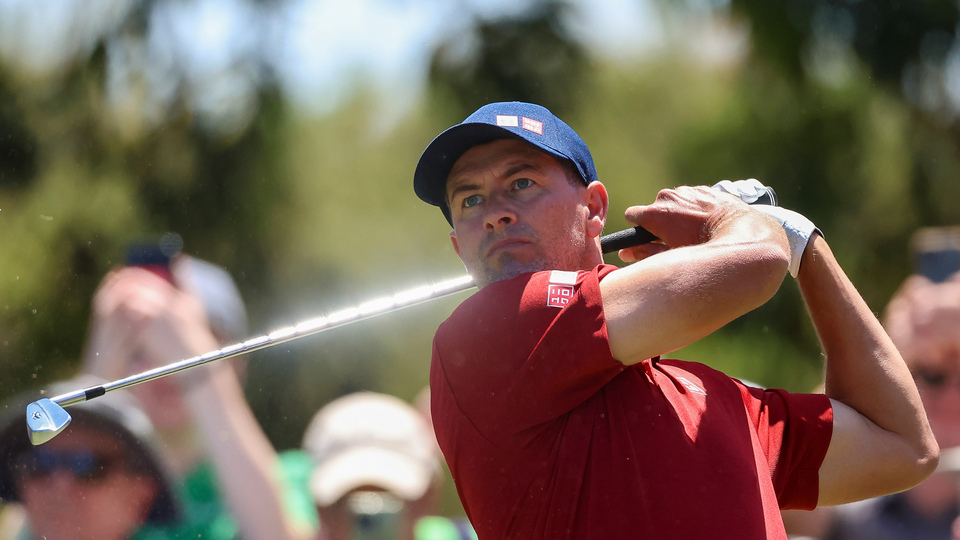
[[155, 255]]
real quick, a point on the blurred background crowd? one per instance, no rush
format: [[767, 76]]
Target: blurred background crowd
[[278, 139]]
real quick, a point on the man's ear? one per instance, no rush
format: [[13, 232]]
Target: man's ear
[[453, 240], [597, 202]]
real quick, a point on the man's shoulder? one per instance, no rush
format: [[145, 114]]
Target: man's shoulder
[[547, 288], [519, 307]]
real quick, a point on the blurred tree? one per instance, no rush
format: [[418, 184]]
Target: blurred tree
[[908, 47], [95, 153], [18, 146], [531, 57], [890, 36]]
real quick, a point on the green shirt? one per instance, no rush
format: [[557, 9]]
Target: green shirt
[[204, 513]]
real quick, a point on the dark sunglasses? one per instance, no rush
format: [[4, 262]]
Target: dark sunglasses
[[84, 465], [934, 379]]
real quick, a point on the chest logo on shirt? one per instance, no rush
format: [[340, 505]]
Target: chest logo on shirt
[[691, 386], [560, 288]]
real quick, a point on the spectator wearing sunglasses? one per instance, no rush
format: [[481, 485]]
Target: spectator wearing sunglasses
[[923, 318], [100, 479]]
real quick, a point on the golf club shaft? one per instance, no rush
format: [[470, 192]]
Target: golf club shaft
[[613, 242]]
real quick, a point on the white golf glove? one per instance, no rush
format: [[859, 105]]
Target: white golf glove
[[748, 190], [798, 228]]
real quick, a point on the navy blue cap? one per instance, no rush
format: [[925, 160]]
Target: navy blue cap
[[514, 119]]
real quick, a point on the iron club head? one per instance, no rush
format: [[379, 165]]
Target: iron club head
[[45, 420]]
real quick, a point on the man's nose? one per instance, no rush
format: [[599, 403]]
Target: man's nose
[[500, 213]]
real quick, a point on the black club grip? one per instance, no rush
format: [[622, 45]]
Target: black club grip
[[638, 235], [625, 238]]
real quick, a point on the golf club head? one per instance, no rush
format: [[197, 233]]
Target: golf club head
[[45, 420]]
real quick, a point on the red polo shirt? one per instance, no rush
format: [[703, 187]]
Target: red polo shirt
[[547, 436]]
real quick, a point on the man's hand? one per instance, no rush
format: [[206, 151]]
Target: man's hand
[[681, 217], [718, 259], [142, 321], [798, 228]]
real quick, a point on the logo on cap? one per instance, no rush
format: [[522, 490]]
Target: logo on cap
[[535, 126], [529, 124]]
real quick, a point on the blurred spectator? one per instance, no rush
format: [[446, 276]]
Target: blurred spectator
[[100, 479], [163, 311], [923, 319], [376, 472]]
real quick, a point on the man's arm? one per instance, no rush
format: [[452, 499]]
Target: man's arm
[[247, 464], [139, 311], [882, 442], [719, 260]]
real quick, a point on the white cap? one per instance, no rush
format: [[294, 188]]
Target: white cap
[[369, 439], [218, 293]]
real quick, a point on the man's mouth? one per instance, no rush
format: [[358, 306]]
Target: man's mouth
[[506, 244]]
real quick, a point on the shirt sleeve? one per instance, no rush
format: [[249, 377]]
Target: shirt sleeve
[[527, 350], [794, 431]]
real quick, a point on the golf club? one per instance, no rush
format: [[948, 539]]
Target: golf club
[[46, 418]]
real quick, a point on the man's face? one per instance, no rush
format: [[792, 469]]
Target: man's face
[[936, 368], [515, 210], [77, 486]]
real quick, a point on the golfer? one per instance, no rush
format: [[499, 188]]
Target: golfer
[[552, 406]]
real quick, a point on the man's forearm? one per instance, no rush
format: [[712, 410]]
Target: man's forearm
[[245, 460], [884, 436]]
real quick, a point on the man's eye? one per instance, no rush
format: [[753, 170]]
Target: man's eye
[[523, 183], [472, 200]]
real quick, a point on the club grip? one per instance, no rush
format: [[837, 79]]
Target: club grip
[[638, 235], [625, 238]]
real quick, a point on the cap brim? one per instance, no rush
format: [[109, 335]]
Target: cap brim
[[430, 178], [398, 474]]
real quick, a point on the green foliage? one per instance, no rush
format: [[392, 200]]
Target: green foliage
[[531, 58], [887, 35], [17, 144], [840, 156]]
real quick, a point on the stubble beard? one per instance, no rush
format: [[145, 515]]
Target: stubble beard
[[566, 254]]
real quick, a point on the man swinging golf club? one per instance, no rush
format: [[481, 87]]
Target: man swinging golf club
[[552, 407]]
